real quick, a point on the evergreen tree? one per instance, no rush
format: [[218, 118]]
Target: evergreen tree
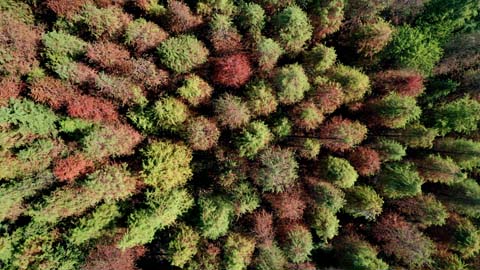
[[183, 246], [294, 28], [363, 201], [339, 172], [254, 138], [238, 251], [291, 83], [216, 213], [462, 116], [398, 180], [277, 170], [357, 254]]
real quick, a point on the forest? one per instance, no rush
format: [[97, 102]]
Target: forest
[[240, 135]]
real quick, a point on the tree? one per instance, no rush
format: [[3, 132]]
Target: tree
[[110, 57], [435, 168], [363, 201], [245, 198], [394, 111], [216, 213], [224, 35], [340, 134], [163, 208], [339, 172], [298, 244], [108, 23], [325, 223], [354, 83], [233, 70], [183, 246], [180, 17], [365, 160], [414, 135], [402, 81], [195, 90], [307, 116], [201, 133], [291, 83], [182, 53], [238, 251], [261, 98], [51, 92], [294, 29], [263, 227], [170, 113], [357, 254], [327, 96], [461, 115], [143, 35], [326, 195], [254, 137], [231, 111], [65, 8], [166, 165], [119, 88], [270, 257], [92, 108], [397, 237], [412, 49], [327, 17], [424, 210], [277, 170], [371, 38], [288, 205], [464, 237], [252, 18], [399, 180], [464, 152], [71, 167], [389, 150], [268, 51], [460, 53], [463, 197], [320, 58]]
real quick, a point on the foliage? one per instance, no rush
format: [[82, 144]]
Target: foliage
[[425, 210], [277, 171], [180, 17], [195, 90], [231, 111], [363, 201], [398, 180], [358, 254], [183, 246], [253, 138], [143, 35], [320, 58], [394, 111], [288, 205], [291, 83], [106, 23], [366, 161], [270, 257], [463, 151], [327, 17], [71, 167], [404, 82], [389, 150], [326, 195], [170, 113], [463, 197], [294, 28], [435, 168], [261, 99], [354, 83], [339, 171], [216, 213], [201, 133], [299, 244], [245, 198], [461, 115], [166, 165], [182, 53], [268, 52], [238, 251], [325, 223], [233, 70], [252, 18]]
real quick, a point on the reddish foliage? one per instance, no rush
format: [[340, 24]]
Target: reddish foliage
[[340, 134], [288, 205], [110, 3], [52, 92], [365, 160], [110, 56], [233, 70], [146, 72], [10, 87], [147, 36], [19, 42], [226, 41], [263, 226], [109, 257], [71, 167], [328, 97], [302, 266], [307, 115], [65, 8], [83, 75], [404, 82], [92, 108], [181, 17]]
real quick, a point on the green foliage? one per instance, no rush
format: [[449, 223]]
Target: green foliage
[[225, 7], [437, 169], [325, 223], [357, 254], [310, 148], [93, 225], [251, 17], [182, 53], [216, 213], [339, 172], [328, 196], [282, 127], [19, 9], [410, 48], [270, 257], [253, 138], [466, 238], [294, 29], [363, 201], [170, 113], [414, 135], [463, 197], [238, 251], [183, 246], [461, 115], [245, 198], [424, 210], [398, 180], [354, 83], [278, 170], [389, 150], [74, 126], [291, 83], [299, 245], [261, 99], [466, 153], [320, 58], [396, 111], [268, 52], [163, 208], [195, 90], [103, 22], [166, 165]]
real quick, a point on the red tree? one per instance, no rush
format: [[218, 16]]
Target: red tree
[[288, 205], [92, 108], [404, 82], [328, 97], [365, 160], [340, 134], [10, 87], [263, 226], [52, 92], [181, 17], [65, 8], [83, 75], [233, 70], [71, 167], [110, 56]]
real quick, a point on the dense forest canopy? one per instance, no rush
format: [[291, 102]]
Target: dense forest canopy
[[231, 134]]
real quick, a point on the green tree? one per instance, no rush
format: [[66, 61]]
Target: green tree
[[183, 246], [216, 213], [358, 254], [291, 83], [320, 58], [463, 197], [270, 257], [394, 110], [424, 210], [327, 16], [277, 170], [182, 53], [340, 134], [410, 48], [437, 169], [238, 251], [363, 201], [339, 172], [294, 28], [465, 238], [298, 244], [328, 196], [466, 153], [106, 23], [195, 90], [389, 150], [325, 223], [253, 138], [251, 17], [170, 113], [166, 165], [268, 51], [414, 135], [354, 83], [261, 98], [245, 198], [398, 180], [462, 116], [163, 208]]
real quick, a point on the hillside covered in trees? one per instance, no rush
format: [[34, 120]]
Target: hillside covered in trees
[[232, 135]]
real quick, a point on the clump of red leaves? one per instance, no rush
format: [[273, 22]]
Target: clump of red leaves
[[365, 160], [404, 82], [110, 56], [69, 168], [181, 17], [233, 70], [52, 92], [288, 205], [65, 8], [92, 108], [10, 87], [263, 226]]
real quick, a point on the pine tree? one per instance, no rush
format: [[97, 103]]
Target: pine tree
[[277, 170], [398, 180], [339, 172], [363, 201]]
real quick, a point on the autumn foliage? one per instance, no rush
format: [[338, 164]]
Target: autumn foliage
[[233, 70], [69, 168]]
